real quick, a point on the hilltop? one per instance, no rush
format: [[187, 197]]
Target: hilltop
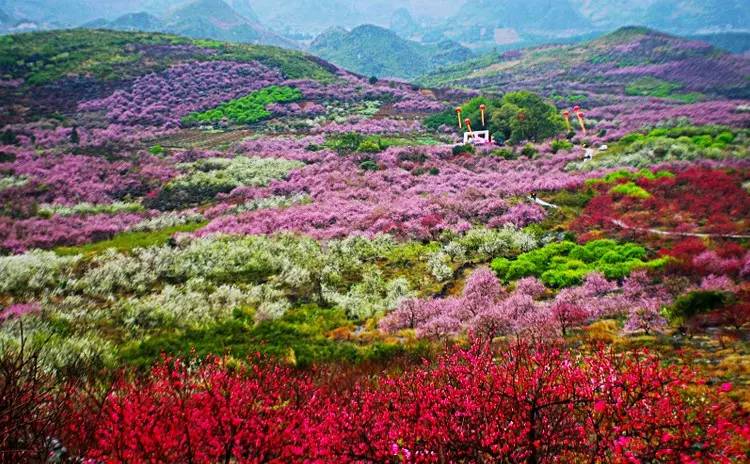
[[376, 51], [629, 61], [233, 21], [70, 65]]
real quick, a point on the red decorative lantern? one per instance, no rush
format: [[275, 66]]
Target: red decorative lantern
[[467, 121], [482, 109], [580, 115], [458, 114], [566, 116]]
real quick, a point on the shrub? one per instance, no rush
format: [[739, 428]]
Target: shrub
[[504, 153], [564, 264], [156, 150], [698, 302], [369, 146], [369, 165], [529, 151], [248, 109], [346, 142], [629, 189], [461, 149], [558, 145]]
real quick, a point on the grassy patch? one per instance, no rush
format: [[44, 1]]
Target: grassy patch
[[652, 87], [127, 241], [304, 336]]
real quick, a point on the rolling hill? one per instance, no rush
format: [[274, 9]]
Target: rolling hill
[[67, 66], [376, 51], [630, 61], [215, 19]]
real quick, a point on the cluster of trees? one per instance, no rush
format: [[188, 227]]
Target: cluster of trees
[[161, 99], [565, 263], [696, 199], [514, 118], [205, 178], [245, 110], [529, 310], [530, 403]]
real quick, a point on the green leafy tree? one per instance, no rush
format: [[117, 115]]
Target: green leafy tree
[[525, 116]]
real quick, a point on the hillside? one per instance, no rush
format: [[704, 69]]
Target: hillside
[[215, 252], [375, 51], [630, 61], [70, 65]]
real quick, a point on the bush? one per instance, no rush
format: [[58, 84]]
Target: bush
[[564, 264], [369, 146], [698, 302], [558, 145], [504, 153], [156, 150], [369, 165], [345, 143], [630, 189], [461, 149], [529, 151]]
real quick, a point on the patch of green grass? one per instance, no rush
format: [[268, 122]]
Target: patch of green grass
[[127, 241], [301, 335], [652, 87]]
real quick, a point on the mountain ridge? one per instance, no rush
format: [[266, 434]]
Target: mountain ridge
[[631, 60], [376, 51]]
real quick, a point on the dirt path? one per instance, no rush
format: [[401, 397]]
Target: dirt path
[[622, 225]]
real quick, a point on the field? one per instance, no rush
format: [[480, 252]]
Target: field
[[231, 253]]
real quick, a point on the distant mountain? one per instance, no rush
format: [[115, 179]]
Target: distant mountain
[[310, 16], [137, 22], [201, 19], [215, 19], [533, 16], [735, 42], [630, 61], [376, 51], [244, 8], [691, 16], [403, 23]]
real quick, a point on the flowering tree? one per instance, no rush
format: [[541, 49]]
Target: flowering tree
[[524, 403]]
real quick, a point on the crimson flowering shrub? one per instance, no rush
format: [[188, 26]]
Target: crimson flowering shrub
[[519, 403], [695, 199]]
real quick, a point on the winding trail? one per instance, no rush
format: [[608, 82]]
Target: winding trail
[[622, 225]]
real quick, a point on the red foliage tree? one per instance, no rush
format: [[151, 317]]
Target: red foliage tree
[[522, 404]]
